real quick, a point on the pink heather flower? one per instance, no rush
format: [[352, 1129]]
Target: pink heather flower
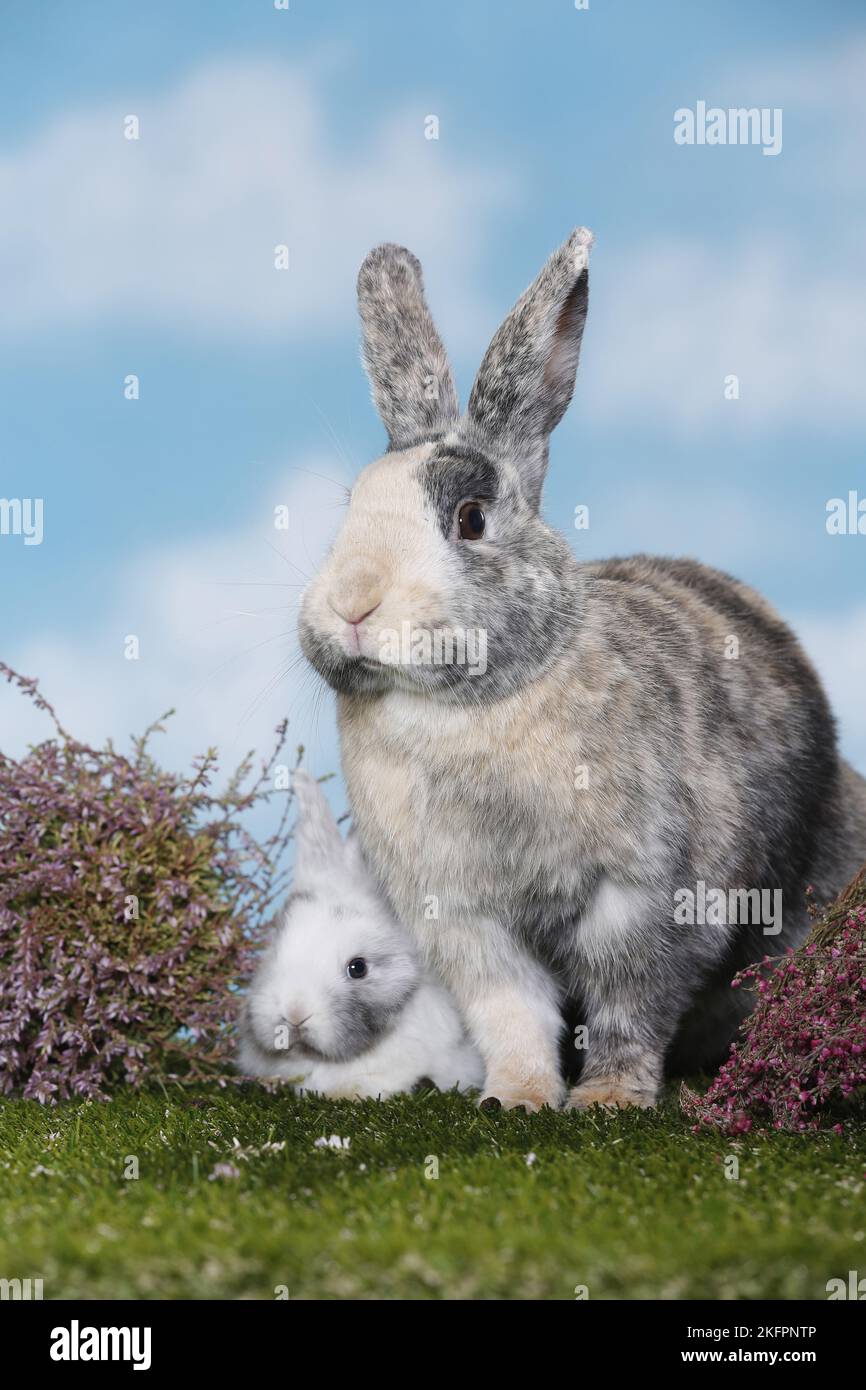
[[131, 900], [801, 1057]]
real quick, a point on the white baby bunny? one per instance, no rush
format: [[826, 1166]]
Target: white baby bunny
[[340, 1003]]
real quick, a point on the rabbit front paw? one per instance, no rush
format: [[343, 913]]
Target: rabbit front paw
[[612, 1090], [530, 1094]]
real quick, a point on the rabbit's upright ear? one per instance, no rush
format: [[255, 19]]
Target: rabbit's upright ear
[[413, 389], [526, 379], [318, 843], [353, 858]]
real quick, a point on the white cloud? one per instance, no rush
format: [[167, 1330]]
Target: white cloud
[[719, 526], [784, 310], [216, 624], [674, 321], [823, 97], [180, 226]]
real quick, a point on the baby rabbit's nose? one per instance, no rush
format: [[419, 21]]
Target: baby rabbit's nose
[[299, 1022]]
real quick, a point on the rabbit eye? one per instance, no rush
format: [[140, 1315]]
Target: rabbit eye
[[357, 968], [470, 521]]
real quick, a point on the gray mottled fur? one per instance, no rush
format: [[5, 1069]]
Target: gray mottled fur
[[700, 767], [413, 388]]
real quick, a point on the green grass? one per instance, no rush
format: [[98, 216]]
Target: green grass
[[632, 1205]]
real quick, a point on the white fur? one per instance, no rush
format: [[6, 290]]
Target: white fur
[[386, 563], [428, 1041], [338, 915], [605, 925]]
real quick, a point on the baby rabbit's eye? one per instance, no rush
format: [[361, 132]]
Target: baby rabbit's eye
[[470, 521], [357, 968]]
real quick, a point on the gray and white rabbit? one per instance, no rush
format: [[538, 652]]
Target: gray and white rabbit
[[340, 1002], [615, 750]]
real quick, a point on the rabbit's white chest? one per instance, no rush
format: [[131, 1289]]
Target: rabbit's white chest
[[467, 805]]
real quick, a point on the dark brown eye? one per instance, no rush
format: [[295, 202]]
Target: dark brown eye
[[357, 968], [470, 521]]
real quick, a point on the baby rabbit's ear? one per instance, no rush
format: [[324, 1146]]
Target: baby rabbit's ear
[[413, 389], [318, 843], [526, 379], [353, 858]]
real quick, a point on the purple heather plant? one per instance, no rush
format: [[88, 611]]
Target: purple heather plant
[[131, 902], [801, 1064]]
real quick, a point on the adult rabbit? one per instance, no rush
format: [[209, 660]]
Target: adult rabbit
[[638, 728]]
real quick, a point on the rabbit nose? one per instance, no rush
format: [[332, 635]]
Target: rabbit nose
[[357, 592], [298, 1023], [358, 608]]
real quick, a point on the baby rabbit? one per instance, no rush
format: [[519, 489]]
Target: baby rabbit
[[340, 1002], [641, 730]]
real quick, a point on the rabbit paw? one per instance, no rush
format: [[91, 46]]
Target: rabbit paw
[[528, 1096], [612, 1091]]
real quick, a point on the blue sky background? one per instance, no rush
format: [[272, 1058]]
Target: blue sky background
[[306, 127]]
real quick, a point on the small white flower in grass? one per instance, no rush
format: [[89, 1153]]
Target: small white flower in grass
[[529, 1159], [223, 1170], [35, 1172], [244, 1155], [335, 1142]]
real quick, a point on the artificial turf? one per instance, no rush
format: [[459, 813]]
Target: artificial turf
[[622, 1204]]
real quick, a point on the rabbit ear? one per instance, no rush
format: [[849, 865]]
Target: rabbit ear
[[413, 389], [526, 379], [352, 852], [353, 858], [318, 843]]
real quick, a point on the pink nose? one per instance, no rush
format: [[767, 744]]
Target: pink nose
[[356, 622]]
